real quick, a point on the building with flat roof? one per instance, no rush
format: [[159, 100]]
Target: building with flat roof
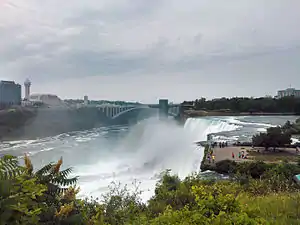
[[49, 100], [288, 92], [10, 94]]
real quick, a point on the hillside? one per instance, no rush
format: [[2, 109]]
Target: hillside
[[24, 123]]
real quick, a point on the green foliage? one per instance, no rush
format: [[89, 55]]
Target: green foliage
[[251, 105], [256, 193], [19, 204], [275, 137], [216, 204], [277, 209], [170, 191], [121, 205], [9, 167], [226, 166], [292, 128], [252, 169]]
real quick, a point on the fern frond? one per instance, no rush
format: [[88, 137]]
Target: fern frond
[[9, 167], [44, 170], [65, 182], [65, 173]]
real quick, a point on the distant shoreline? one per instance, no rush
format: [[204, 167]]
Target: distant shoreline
[[201, 113]]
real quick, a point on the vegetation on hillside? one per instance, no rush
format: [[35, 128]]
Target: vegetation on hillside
[[249, 105], [255, 194]]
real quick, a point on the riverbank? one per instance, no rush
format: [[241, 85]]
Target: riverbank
[[200, 113]]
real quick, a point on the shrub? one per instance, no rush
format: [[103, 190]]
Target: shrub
[[254, 169], [170, 191], [226, 166], [121, 205]]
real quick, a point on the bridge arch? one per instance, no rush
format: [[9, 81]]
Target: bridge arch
[[129, 110]]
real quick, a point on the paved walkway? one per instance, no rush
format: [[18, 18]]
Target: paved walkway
[[226, 153]]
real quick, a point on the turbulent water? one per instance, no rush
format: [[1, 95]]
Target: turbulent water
[[138, 153]]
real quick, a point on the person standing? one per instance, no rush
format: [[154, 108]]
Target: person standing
[[208, 158], [213, 158], [232, 155]]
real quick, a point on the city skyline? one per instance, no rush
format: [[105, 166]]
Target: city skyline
[[26, 91], [143, 51]]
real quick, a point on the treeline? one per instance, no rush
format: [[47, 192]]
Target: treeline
[[250, 105]]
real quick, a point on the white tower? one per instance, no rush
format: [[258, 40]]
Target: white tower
[[86, 100], [27, 85]]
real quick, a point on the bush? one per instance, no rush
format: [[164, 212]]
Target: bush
[[170, 191], [252, 169], [226, 166], [121, 205]]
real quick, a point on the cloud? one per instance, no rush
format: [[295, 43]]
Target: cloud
[[200, 43]]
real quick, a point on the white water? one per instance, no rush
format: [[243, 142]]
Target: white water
[[103, 155], [201, 127], [150, 148], [233, 120]]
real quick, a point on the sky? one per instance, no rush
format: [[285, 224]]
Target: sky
[[141, 50]]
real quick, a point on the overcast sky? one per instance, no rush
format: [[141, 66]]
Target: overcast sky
[[143, 50]]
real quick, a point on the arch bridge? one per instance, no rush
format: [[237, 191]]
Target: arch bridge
[[114, 111]]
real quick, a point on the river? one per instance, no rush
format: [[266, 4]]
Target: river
[[137, 153]]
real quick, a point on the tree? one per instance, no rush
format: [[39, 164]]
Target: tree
[[275, 137]]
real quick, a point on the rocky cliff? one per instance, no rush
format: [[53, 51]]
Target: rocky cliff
[[24, 123]]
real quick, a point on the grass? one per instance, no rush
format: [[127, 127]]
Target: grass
[[273, 156], [277, 209]]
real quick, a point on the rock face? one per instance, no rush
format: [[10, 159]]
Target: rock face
[[13, 119], [25, 123]]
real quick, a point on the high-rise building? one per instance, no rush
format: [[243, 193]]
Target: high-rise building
[[288, 92], [27, 85], [10, 94]]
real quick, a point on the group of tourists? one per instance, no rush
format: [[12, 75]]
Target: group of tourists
[[241, 155], [211, 156], [221, 144]]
